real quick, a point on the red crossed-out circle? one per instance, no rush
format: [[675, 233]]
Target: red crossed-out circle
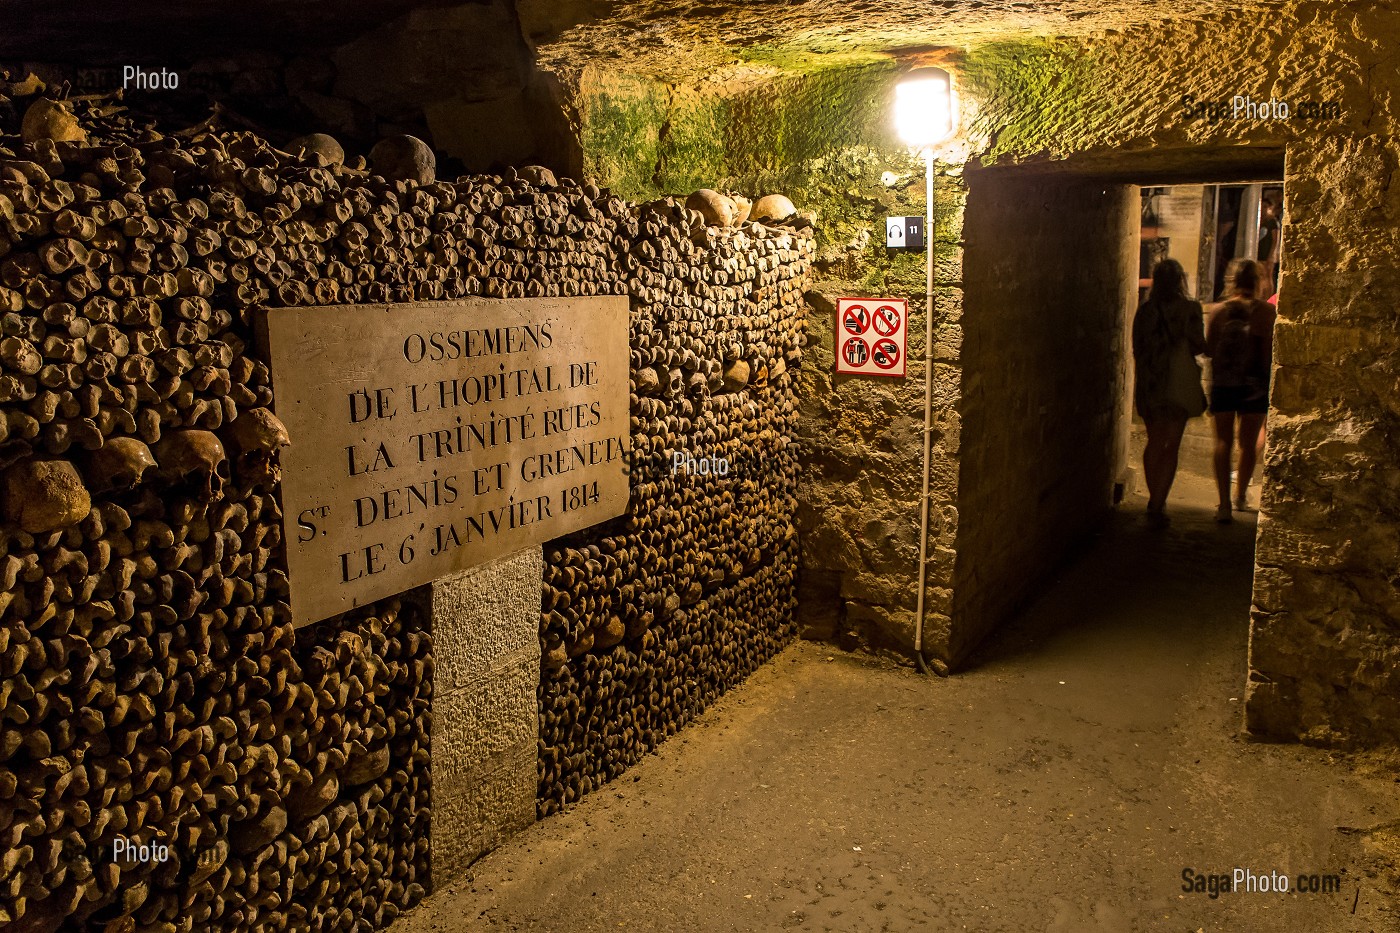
[[886, 354], [855, 351], [856, 319], [886, 320]]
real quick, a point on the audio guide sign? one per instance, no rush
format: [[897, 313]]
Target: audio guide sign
[[904, 233], [871, 336]]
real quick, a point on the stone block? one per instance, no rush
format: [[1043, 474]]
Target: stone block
[[889, 588], [947, 346], [485, 712], [948, 266], [486, 719], [880, 626], [468, 825], [486, 618]]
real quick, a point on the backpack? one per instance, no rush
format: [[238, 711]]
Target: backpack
[[1232, 362]]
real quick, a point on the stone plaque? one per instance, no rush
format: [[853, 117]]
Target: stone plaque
[[428, 437]]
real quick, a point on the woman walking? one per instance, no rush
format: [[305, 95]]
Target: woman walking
[[1168, 333], [1240, 342]]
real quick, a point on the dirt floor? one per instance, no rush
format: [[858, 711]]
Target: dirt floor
[[1064, 784]]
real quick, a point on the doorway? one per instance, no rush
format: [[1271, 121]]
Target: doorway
[[1052, 267], [1204, 227]]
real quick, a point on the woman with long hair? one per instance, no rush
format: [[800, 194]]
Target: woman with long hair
[[1240, 342], [1168, 332]]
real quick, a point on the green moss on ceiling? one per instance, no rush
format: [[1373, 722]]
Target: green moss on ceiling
[[623, 118], [795, 60], [1033, 95], [823, 137]]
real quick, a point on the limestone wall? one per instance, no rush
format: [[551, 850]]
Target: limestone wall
[[1324, 648], [1044, 360]]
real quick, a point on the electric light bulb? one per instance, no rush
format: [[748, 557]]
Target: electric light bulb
[[923, 107]]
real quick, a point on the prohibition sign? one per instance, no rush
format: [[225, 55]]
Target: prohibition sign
[[855, 352], [856, 320], [886, 353], [886, 320]]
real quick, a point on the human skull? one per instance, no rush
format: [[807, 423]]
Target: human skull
[[404, 158], [647, 381], [259, 429], [742, 207], [47, 119], [772, 209], [318, 144], [118, 465], [44, 495], [195, 459], [736, 376], [717, 209], [537, 175], [258, 434]]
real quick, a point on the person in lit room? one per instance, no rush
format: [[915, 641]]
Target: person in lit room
[[1240, 342], [1168, 332], [1270, 240]]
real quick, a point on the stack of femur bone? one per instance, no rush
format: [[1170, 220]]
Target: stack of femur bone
[[152, 691], [648, 619]]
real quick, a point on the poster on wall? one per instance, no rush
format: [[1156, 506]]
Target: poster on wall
[[871, 336]]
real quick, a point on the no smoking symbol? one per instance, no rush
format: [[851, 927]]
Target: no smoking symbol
[[856, 319], [886, 354], [855, 351], [886, 320]]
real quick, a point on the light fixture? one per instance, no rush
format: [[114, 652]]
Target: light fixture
[[923, 107], [923, 117]]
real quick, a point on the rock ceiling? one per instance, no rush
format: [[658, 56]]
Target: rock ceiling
[[662, 37], [680, 37]]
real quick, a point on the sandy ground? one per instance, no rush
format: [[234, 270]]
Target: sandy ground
[[1062, 785]]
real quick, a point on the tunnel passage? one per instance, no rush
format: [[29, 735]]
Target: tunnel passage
[[1051, 270]]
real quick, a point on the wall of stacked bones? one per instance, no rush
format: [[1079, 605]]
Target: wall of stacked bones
[[646, 620], [152, 690]]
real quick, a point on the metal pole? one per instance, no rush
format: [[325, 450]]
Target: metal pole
[[928, 412]]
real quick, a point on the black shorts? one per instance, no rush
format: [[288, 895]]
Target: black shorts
[[1246, 400]]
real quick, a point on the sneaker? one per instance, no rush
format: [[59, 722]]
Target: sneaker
[[1156, 518], [1223, 516], [1242, 505]]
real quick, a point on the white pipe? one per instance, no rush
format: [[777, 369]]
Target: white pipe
[[928, 413]]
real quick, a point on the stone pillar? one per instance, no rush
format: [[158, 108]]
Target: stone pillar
[[486, 648]]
